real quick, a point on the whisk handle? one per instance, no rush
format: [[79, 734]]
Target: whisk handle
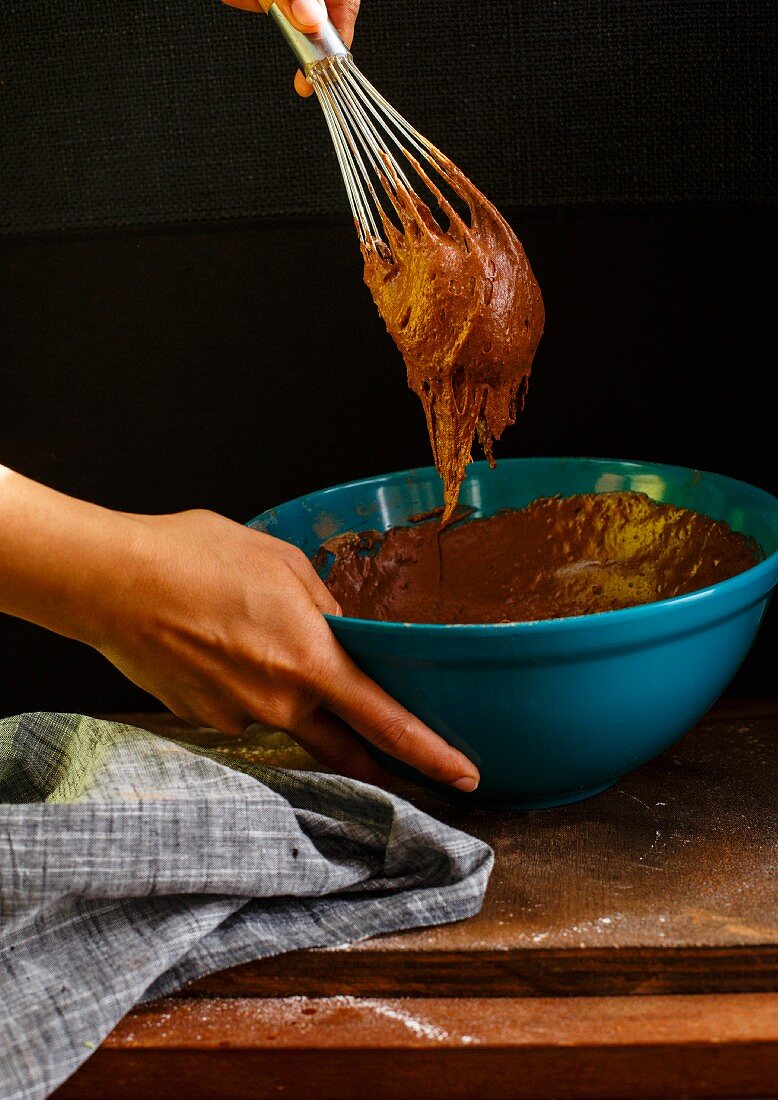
[[309, 49]]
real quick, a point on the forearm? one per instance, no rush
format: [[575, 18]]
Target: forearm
[[60, 557]]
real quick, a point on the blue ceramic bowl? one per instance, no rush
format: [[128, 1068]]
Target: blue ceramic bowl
[[553, 711]]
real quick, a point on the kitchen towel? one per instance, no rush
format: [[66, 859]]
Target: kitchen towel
[[131, 865]]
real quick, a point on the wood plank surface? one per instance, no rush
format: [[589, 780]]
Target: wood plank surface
[[663, 888], [520, 973], [665, 884], [346, 1048]]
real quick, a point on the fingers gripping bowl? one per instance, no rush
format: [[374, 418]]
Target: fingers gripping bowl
[[555, 710]]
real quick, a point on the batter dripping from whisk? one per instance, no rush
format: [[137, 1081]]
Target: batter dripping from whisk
[[465, 311], [457, 296]]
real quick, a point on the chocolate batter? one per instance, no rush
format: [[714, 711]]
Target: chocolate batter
[[465, 310], [556, 557]]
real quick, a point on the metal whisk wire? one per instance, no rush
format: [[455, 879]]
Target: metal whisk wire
[[375, 146], [365, 130]]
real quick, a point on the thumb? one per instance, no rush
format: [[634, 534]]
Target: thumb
[[306, 15]]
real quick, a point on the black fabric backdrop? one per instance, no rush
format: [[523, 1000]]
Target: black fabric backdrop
[[182, 317], [153, 111]]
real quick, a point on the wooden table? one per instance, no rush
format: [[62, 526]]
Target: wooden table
[[627, 948]]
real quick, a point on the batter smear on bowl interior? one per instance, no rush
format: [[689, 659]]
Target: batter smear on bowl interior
[[465, 311], [559, 556]]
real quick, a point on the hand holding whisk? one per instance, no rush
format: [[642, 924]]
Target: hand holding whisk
[[307, 16]]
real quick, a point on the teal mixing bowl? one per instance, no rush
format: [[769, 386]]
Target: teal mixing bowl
[[552, 711]]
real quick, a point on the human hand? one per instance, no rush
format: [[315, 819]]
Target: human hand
[[307, 15], [225, 626]]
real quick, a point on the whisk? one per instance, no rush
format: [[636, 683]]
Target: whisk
[[375, 146], [446, 271]]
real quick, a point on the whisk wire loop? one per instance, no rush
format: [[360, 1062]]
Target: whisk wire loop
[[374, 146]]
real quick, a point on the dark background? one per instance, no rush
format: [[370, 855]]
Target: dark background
[[183, 318]]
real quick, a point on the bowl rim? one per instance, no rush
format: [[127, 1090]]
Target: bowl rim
[[572, 623]]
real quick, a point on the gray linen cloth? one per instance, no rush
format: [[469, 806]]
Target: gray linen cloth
[[131, 865]]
